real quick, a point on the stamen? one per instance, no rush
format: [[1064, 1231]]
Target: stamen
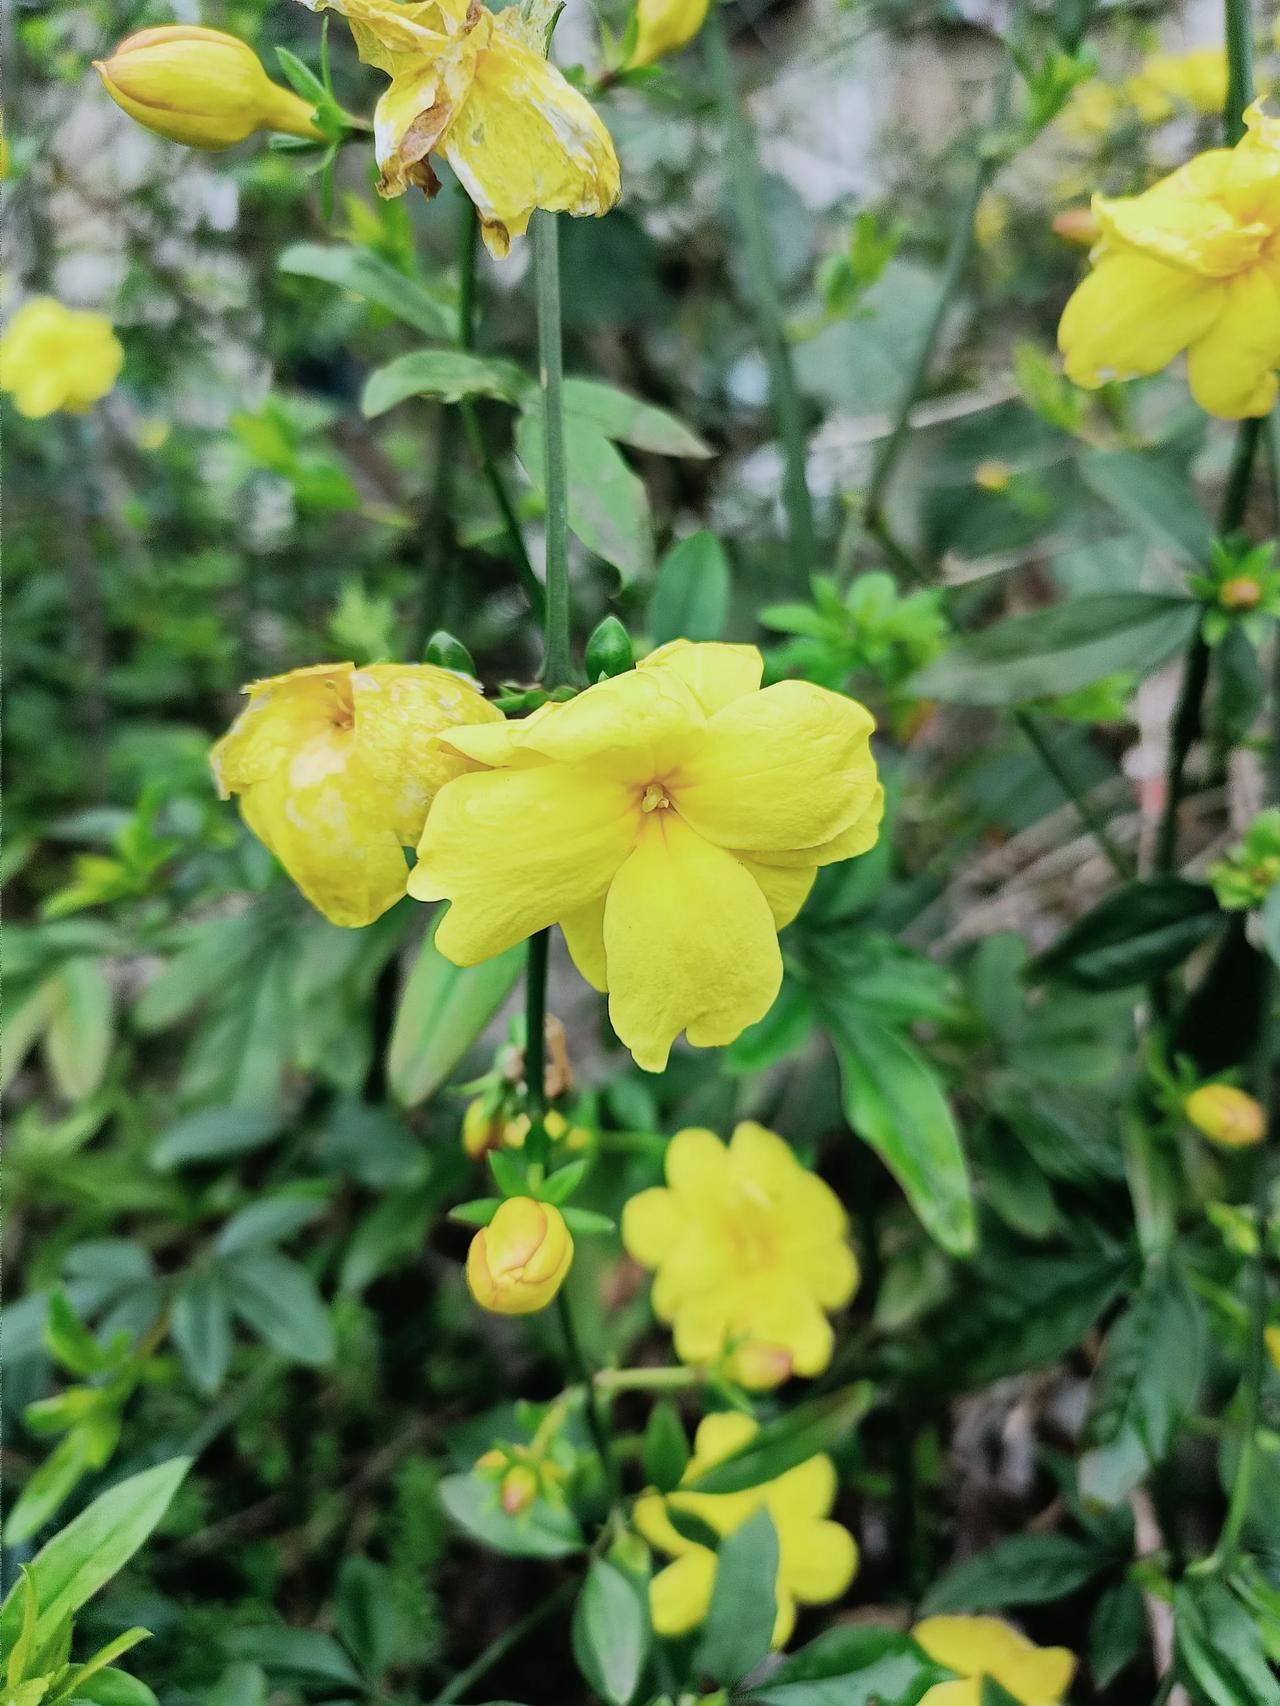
[[655, 796]]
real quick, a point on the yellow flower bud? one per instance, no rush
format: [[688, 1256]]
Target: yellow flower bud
[[1226, 1116], [665, 26], [517, 1263], [518, 1490], [482, 1128], [759, 1365], [1076, 225], [1241, 592], [200, 87]]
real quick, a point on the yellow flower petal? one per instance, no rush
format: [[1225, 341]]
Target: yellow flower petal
[[1231, 367], [786, 888], [719, 1435], [638, 725], [861, 835], [690, 942], [785, 1620], [697, 1168], [680, 1595], [965, 1691], [651, 1520], [54, 357], [651, 1223], [987, 1646], [664, 26], [524, 138], [785, 768], [1193, 232], [516, 850], [584, 938], [716, 672], [820, 1560], [1133, 315]]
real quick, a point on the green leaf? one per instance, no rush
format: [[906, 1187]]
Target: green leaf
[[1151, 1365], [629, 420], [78, 1039], [1139, 931], [1026, 1569], [442, 1011], [857, 1665], [509, 1174], [80, 1674], [85, 1555], [894, 1102], [609, 650], [201, 1327], [368, 275], [587, 1222], [608, 504], [271, 1220], [23, 1648], [542, 1531], [1219, 1647], [391, 1235], [118, 1688], [277, 1299], [1059, 649], [811, 1428], [559, 1186], [744, 1605], [446, 374], [1269, 919], [213, 1135], [666, 1447], [68, 1340], [690, 598], [1152, 498], [366, 1614], [610, 1630], [993, 1693], [1117, 1632], [305, 1653], [49, 1486], [302, 78]]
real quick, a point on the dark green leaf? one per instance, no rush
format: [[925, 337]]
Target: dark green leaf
[[446, 374], [1219, 1647], [666, 1447], [1059, 649], [271, 1220], [366, 1616], [442, 1011], [1026, 1569], [608, 504], [744, 1603], [690, 598], [368, 275], [201, 1327], [812, 1427], [1117, 1632], [213, 1135], [1151, 1365], [858, 1665], [277, 1299], [611, 1635], [306, 1653], [1152, 498], [1139, 931]]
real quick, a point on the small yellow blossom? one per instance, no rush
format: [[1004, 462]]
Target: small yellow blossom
[[1189, 265], [993, 475], [53, 357], [1166, 81], [817, 1558], [485, 1128], [979, 1647], [671, 819], [665, 26], [1094, 109], [335, 768], [1226, 1116], [200, 87], [517, 1263], [468, 85], [750, 1250]]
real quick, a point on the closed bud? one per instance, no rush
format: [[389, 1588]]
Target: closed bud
[[448, 652], [517, 1263], [665, 26], [609, 650], [482, 1129], [758, 1365], [1241, 592], [518, 1490], [1077, 225], [1226, 1116], [200, 87]]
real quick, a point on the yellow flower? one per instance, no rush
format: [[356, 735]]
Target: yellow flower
[[671, 820], [750, 1248], [1165, 81], [1191, 264], [665, 26], [466, 84], [335, 768], [517, 1263], [1092, 111], [200, 87], [817, 1558], [1226, 1116], [980, 1647], [53, 357]]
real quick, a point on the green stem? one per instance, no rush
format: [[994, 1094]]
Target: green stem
[[597, 1425], [468, 253], [1052, 762], [535, 1047], [546, 260], [989, 162], [1239, 33], [498, 1648], [648, 1379], [744, 172], [1195, 675]]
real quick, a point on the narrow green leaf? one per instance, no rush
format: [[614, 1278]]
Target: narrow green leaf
[[608, 504], [1139, 931], [442, 1011], [1153, 498], [214, 1134], [666, 1447], [610, 1631], [201, 1327], [690, 598], [744, 1604], [368, 275], [629, 420], [812, 1427], [854, 1665], [80, 1028], [277, 1299], [1026, 1569]]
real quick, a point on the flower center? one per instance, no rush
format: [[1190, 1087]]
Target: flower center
[[655, 798]]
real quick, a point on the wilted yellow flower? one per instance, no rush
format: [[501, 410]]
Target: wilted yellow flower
[[1165, 81], [517, 1263], [817, 1558], [981, 1647], [1188, 265], [671, 820], [200, 87], [1226, 1116], [468, 85], [53, 357], [335, 768], [665, 26], [750, 1249]]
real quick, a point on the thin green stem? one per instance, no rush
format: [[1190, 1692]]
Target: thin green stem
[[1088, 814], [546, 260], [959, 249], [648, 1379], [535, 1047], [788, 411], [597, 1425], [1239, 33], [498, 1648]]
